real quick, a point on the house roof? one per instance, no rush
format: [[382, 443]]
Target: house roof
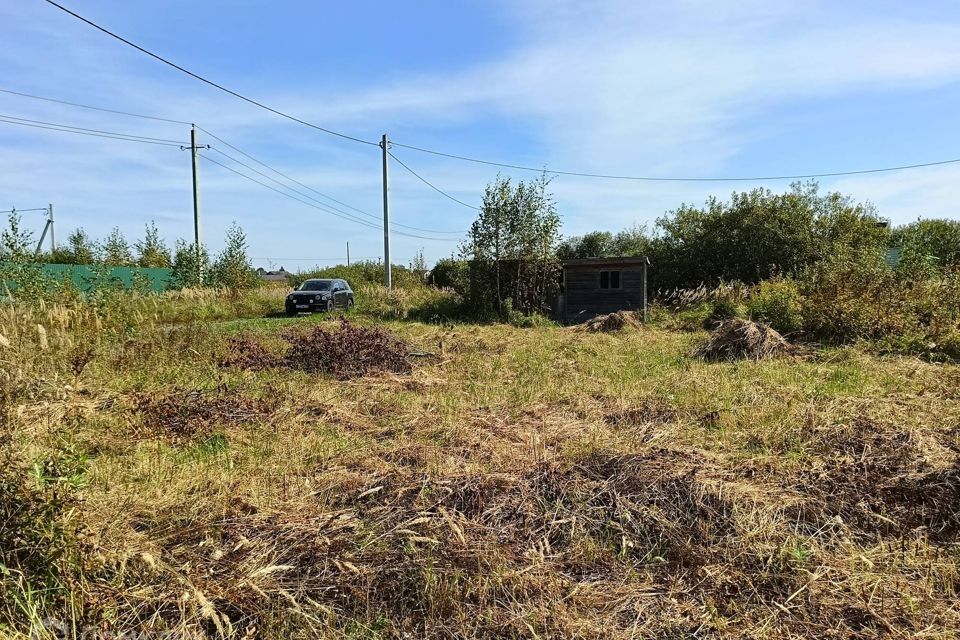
[[606, 262]]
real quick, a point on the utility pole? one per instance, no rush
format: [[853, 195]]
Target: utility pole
[[196, 190], [348, 253], [197, 244], [53, 240], [384, 144]]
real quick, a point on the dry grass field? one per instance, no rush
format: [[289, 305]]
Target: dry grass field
[[542, 482]]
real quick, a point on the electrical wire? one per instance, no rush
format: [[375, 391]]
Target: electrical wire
[[88, 132], [204, 80], [284, 193], [297, 182], [506, 165], [87, 106], [70, 126], [24, 210], [678, 179], [319, 204], [228, 144], [430, 184], [352, 259], [325, 210], [244, 153]]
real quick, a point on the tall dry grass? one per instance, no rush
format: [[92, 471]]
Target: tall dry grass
[[527, 483]]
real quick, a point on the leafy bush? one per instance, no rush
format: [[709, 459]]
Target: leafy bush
[[191, 265], [859, 297], [232, 270], [451, 273], [929, 243], [365, 272], [779, 303], [152, 252], [510, 249], [37, 551]]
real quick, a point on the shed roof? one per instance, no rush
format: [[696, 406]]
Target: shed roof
[[606, 262]]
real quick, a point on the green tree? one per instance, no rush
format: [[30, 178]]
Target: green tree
[[151, 251], [451, 273], [419, 263], [232, 268], [758, 234], [632, 242], [596, 244], [80, 249], [14, 241], [511, 248], [928, 244], [116, 250], [191, 265]]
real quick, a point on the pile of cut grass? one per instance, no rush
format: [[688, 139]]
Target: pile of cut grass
[[612, 322], [739, 339], [527, 483]]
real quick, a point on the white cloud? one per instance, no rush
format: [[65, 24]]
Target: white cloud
[[614, 87]]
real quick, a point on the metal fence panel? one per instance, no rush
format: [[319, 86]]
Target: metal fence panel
[[88, 277]]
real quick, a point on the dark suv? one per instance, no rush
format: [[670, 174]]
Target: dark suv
[[320, 295]]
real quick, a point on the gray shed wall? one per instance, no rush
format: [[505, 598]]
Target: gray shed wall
[[583, 298]]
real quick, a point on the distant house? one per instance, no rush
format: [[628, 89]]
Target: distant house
[[595, 286], [281, 275]]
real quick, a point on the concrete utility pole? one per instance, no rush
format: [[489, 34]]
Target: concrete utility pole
[[196, 190], [385, 145], [348, 253], [53, 240]]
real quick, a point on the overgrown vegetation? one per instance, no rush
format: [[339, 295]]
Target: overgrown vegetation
[[510, 251], [523, 483], [191, 265], [185, 464]]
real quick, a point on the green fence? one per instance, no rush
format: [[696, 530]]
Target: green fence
[[88, 277]]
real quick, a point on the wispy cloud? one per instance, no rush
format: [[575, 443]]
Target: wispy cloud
[[688, 88]]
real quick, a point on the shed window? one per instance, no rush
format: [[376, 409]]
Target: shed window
[[609, 279]]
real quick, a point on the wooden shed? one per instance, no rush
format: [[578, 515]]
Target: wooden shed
[[595, 286]]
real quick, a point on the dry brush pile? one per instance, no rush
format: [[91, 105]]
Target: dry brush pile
[[548, 484], [348, 351]]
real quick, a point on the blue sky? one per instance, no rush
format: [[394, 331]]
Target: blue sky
[[691, 87]]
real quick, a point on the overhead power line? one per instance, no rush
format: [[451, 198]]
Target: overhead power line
[[307, 187], [52, 126], [676, 179], [228, 144], [205, 80], [319, 204], [86, 106], [284, 193], [430, 184], [318, 259], [315, 206], [453, 156]]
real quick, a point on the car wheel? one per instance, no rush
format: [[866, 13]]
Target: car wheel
[[329, 306], [290, 314], [349, 303]]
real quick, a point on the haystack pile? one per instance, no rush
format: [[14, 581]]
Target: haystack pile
[[613, 322], [739, 339]]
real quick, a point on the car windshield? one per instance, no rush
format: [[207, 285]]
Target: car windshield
[[316, 285]]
